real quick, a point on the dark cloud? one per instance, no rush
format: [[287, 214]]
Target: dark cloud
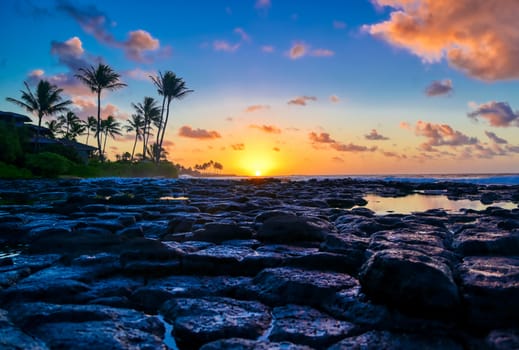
[[492, 136], [187, 131], [352, 148], [276, 149], [323, 137], [270, 129], [498, 114], [238, 147], [375, 136], [437, 88], [442, 135], [70, 53]]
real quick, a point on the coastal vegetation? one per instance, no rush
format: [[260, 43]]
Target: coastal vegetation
[[54, 150]]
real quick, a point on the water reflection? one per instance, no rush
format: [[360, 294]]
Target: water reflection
[[419, 203]]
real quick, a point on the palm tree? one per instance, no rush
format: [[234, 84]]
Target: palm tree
[[97, 79], [91, 125], [54, 126], [110, 127], [68, 120], [150, 112], [77, 129], [46, 102], [135, 123], [170, 87]]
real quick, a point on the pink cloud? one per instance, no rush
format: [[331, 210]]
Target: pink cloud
[[222, 45], [322, 53], [339, 24], [256, 108], [297, 51], [498, 114], [496, 139], [270, 129], [267, 48], [302, 100], [442, 135], [375, 136], [201, 134], [244, 36], [437, 88], [138, 43], [139, 74], [480, 39], [405, 125], [335, 99], [87, 107]]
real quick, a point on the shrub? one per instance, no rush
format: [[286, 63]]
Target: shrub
[[10, 144], [9, 171], [48, 164]]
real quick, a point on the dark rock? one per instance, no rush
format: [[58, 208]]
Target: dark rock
[[247, 344], [219, 232], [304, 325], [12, 337], [220, 260], [503, 339], [344, 203], [95, 208], [284, 285], [487, 241], [489, 197], [199, 321], [411, 281], [291, 228], [180, 223], [386, 340], [89, 326], [489, 285]]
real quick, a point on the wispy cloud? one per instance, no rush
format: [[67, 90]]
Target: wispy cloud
[[498, 114], [268, 48], [351, 147], [139, 74], [335, 99], [483, 45], [322, 53], [202, 134], [270, 129], [256, 108], [300, 49], [339, 24], [243, 35], [223, 45], [375, 136], [493, 137], [405, 126], [238, 147], [301, 100], [439, 87]]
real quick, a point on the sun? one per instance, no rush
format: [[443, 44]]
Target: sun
[[257, 172]]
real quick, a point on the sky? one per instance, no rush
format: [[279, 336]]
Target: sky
[[286, 87]]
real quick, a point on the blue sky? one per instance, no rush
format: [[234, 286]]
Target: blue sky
[[252, 63]]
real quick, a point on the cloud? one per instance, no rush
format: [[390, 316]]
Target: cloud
[[297, 51], [201, 134], [267, 48], [438, 87], [69, 53], [238, 147], [338, 159], [323, 137], [441, 135], [405, 125], [339, 24], [263, 4], [256, 108], [139, 74], [393, 155], [276, 149], [498, 114], [86, 107], [244, 36], [223, 45], [335, 99], [352, 148], [375, 136], [480, 38], [270, 129], [138, 46], [301, 100], [300, 49], [496, 139]]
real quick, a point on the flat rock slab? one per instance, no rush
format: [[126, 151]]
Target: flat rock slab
[[197, 321], [490, 289], [307, 326], [375, 340], [12, 337], [89, 326], [286, 285], [292, 228]]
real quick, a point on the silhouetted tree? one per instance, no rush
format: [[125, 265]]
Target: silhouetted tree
[[110, 127], [135, 124], [150, 112]]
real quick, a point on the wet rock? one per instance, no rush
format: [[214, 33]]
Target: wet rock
[[291, 228], [11, 337], [307, 326], [486, 240], [489, 285], [410, 280], [503, 339], [219, 232], [350, 246], [220, 260], [387, 340], [88, 326], [199, 321], [247, 344], [285, 285], [146, 257], [180, 223]]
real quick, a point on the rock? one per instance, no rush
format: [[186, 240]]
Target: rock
[[307, 326], [386, 340], [180, 223], [219, 260], [411, 281], [199, 321], [219, 232], [247, 344], [489, 285], [502, 339], [285, 285], [291, 228], [479, 240], [11, 337], [89, 326]]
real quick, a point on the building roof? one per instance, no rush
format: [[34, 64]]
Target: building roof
[[14, 116]]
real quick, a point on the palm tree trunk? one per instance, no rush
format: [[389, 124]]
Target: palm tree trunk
[[99, 126], [161, 126], [134, 144], [144, 138], [163, 132], [40, 117], [104, 144], [88, 135]]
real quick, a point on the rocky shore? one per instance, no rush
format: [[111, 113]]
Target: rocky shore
[[254, 264]]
